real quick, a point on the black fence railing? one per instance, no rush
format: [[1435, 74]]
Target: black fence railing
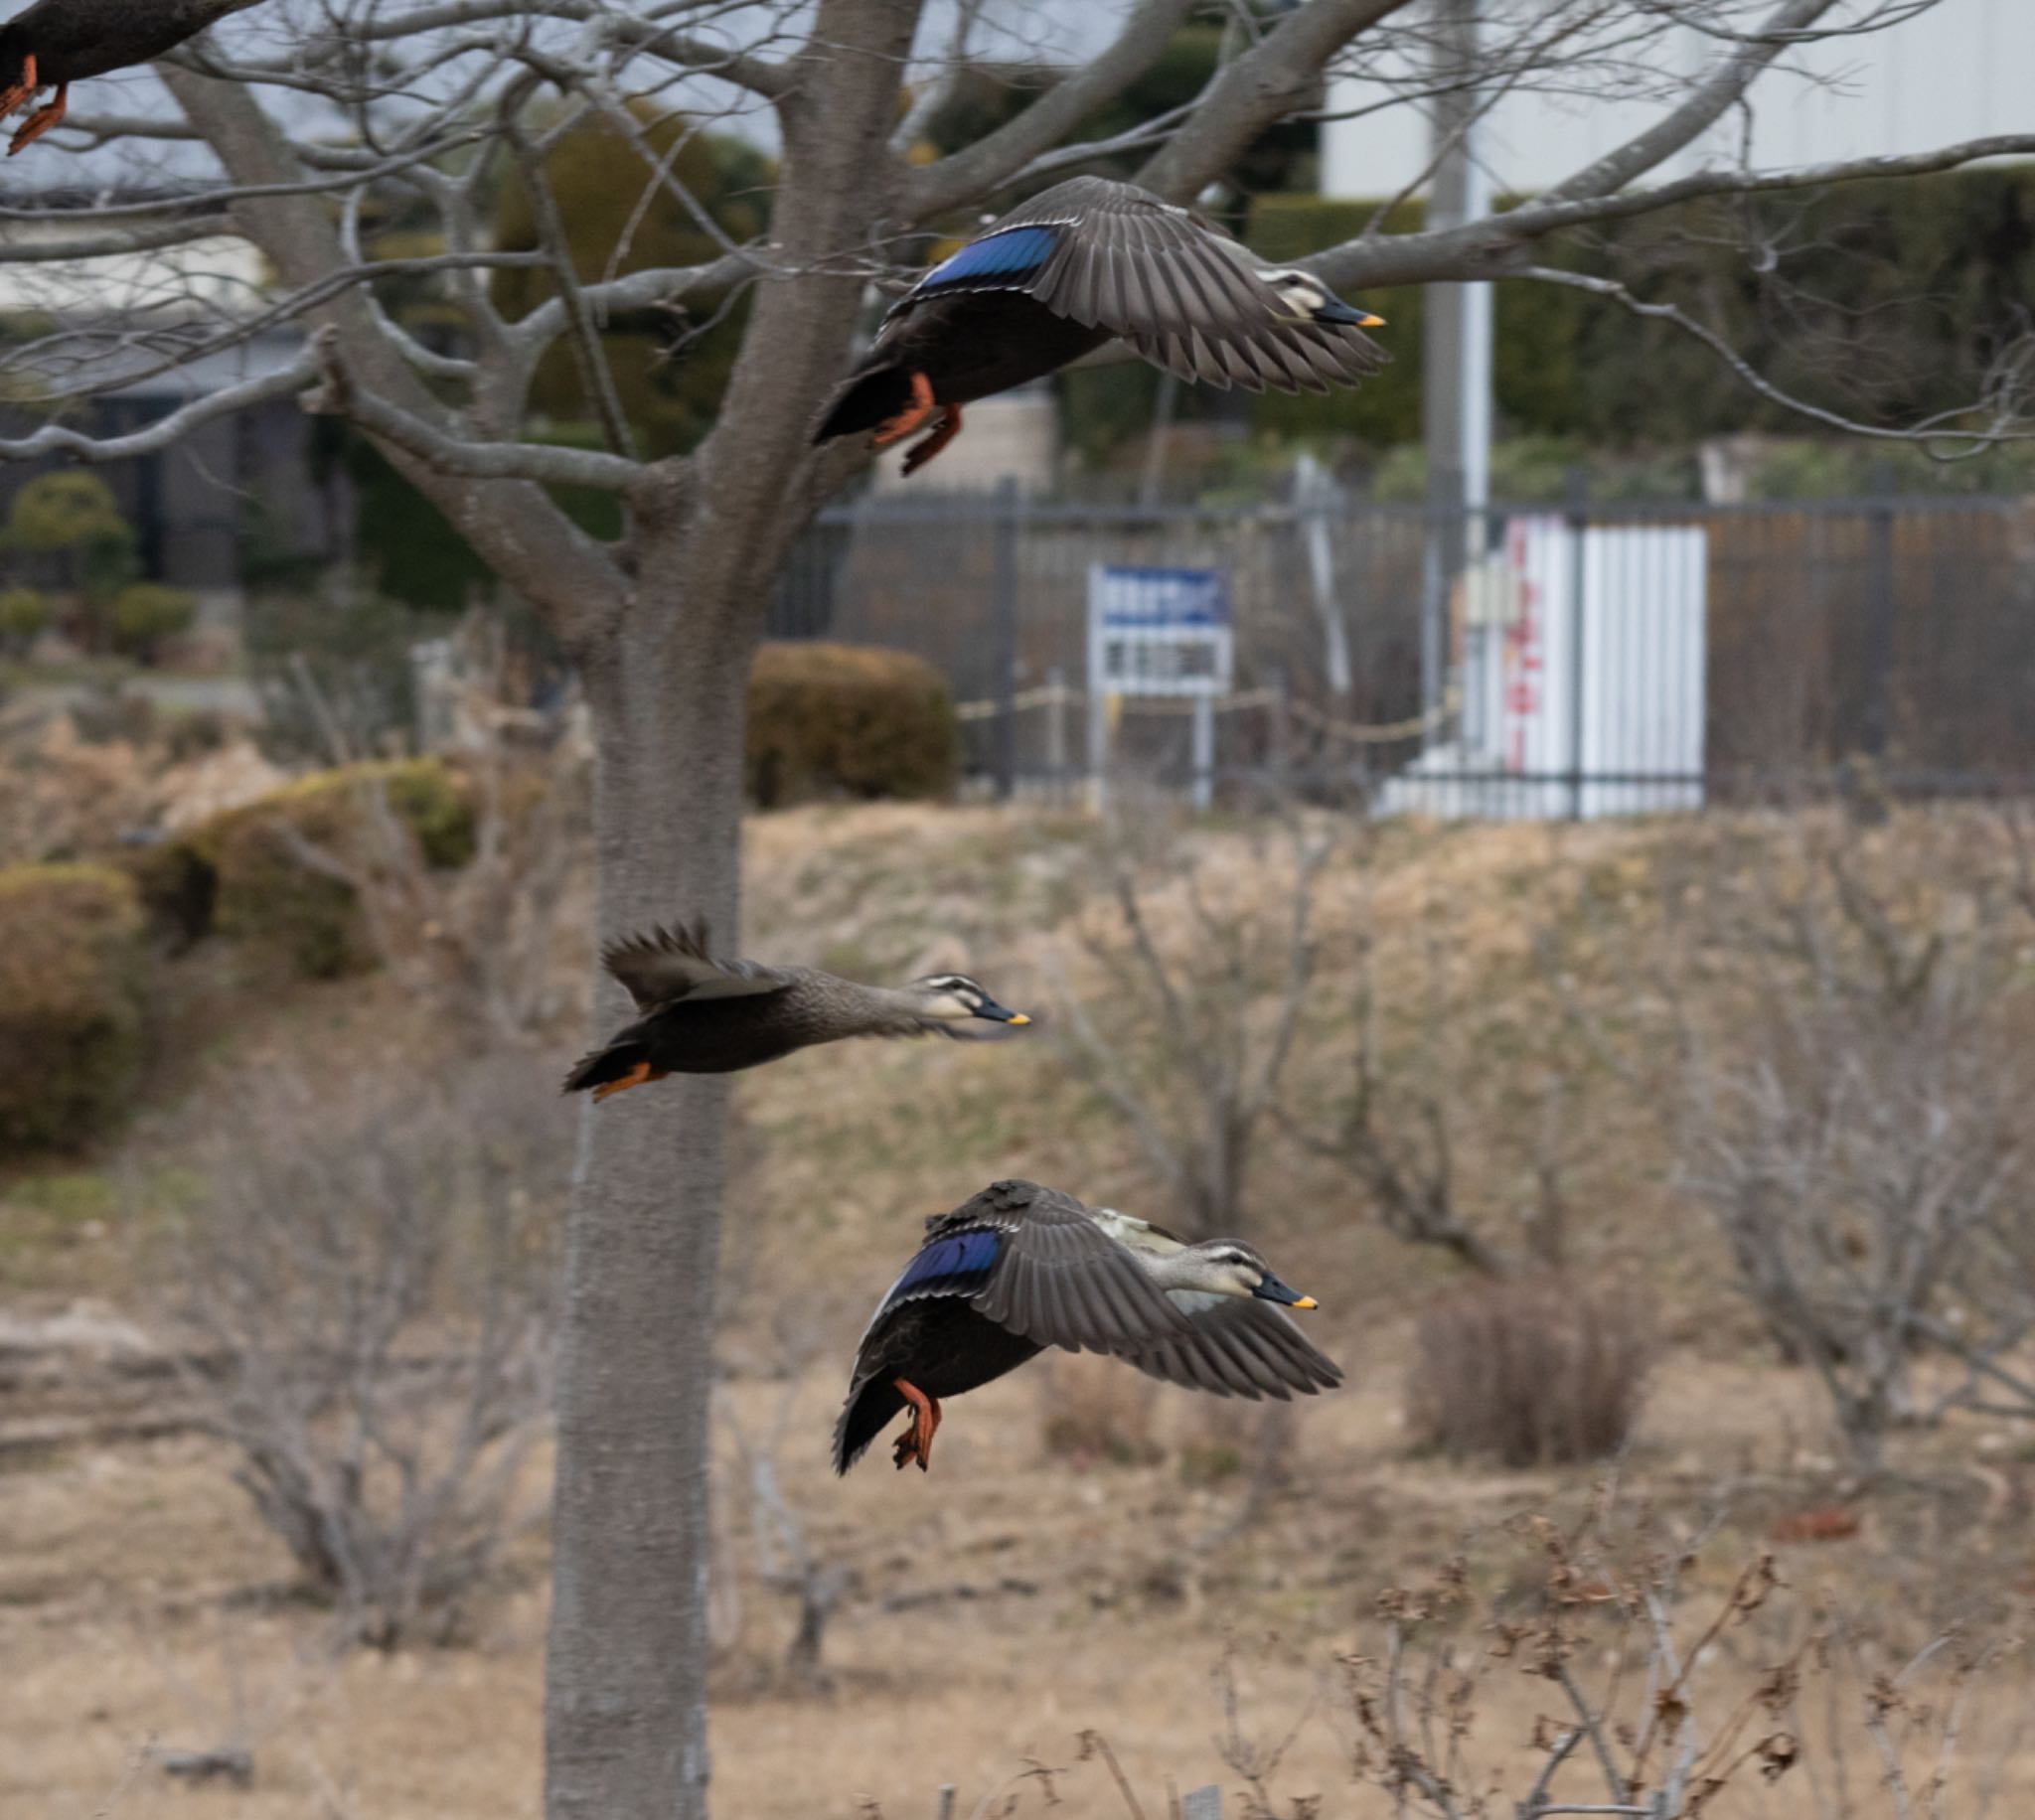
[[1518, 662]]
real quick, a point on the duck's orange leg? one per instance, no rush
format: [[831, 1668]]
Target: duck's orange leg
[[912, 417], [50, 114], [923, 452], [916, 1442], [21, 93], [634, 1078]]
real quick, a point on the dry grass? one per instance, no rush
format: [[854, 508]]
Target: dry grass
[[1014, 1596]]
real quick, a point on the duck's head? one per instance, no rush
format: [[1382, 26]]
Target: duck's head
[[1306, 299], [1228, 1267], [956, 999]]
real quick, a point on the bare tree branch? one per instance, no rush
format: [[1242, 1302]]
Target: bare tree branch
[[994, 158], [1257, 90], [60, 440]]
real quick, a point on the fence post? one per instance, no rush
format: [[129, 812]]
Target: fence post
[[1879, 619], [947, 1792], [1279, 732], [1202, 1803], [1579, 531], [1056, 725], [1003, 634]]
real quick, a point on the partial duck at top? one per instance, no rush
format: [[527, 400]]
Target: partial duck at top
[[1088, 262], [699, 1014], [55, 43]]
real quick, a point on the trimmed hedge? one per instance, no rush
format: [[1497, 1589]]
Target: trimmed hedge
[[853, 721], [71, 964], [263, 892]]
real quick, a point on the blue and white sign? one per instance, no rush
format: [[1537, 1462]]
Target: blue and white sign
[[1159, 597], [1157, 632]]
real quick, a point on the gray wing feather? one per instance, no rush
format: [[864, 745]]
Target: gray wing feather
[[660, 966], [1241, 1347], [1062, 1281], [1182, 293]]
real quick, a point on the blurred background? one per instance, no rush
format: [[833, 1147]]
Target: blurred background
[[1541, 846]]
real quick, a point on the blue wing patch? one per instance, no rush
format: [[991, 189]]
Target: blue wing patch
[[997, 257], [957, 1265]]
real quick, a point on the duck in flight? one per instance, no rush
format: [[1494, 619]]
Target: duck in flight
[[1020, 1268], [55, 43], [1088, 262], [699, 1014]]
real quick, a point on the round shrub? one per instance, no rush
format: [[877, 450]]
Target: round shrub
[[24, 615], [144, 613], [71, 963], [847, 720], [269, 891]]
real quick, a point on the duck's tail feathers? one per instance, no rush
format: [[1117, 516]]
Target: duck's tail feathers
[[865, 1415], [615, 1067], [866, 401]]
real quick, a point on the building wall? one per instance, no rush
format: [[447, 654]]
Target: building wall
[[1960, 71]]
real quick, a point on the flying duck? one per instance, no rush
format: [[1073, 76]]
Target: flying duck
[[55, 43], [703, 1016], [1082, 263], [1020, 1268]]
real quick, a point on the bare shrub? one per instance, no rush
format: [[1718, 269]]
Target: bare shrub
[[1614, 1676], [1533, 1371], [1095, 1410], [371, 1277], [787, 1560], [1861, 1131], [479, 939], [1193, 1001]]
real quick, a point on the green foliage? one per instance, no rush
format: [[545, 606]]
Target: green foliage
[[1546, 470], [178, 889], [1886, 301], [847, 720], [144, 613], [409, 553], [266, 892], [670, 372], [988, 94], [71, 961], [66, 510], [24, 613]]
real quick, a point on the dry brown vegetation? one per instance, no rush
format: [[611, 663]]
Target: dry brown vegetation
[[1083, 1553]]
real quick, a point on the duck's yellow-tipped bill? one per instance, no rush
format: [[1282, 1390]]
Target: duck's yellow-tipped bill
[[1369, 321], [1018, 1017], [1307, 1301]]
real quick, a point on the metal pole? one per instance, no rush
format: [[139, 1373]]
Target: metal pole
[[1279, 736], [1056, 722], [1098, 703], [1579, 529], [1456, 374], [1204, 751], [1878, 717], [1003, 632]]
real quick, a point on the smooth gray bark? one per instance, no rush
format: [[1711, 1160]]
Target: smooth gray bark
[[625, 1717]]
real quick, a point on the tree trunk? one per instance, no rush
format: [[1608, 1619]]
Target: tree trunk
[[625, 1718], [625, 1709]]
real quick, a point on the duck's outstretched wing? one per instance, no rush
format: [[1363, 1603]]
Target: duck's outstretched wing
[[1188, 297], [1238, 1346], [660, 966], [1034, 1261]]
